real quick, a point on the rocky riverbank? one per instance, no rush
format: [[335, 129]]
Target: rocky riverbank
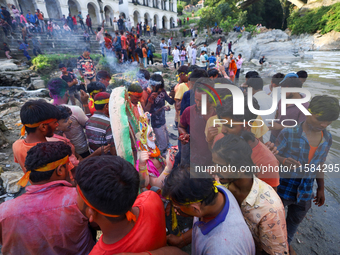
[[275, 43]]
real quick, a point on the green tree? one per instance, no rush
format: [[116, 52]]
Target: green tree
[[208, 18], [179, 9]]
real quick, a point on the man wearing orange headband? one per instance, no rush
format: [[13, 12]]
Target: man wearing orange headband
[[98, 127], [46, 219], [108, 195], [39, 120]]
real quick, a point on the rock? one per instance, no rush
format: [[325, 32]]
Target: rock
[[8, 65], [10, 180], [38, 84]]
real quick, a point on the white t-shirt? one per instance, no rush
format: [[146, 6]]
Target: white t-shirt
[[265, 103], [193, 53], [202, 64], [76, 134], [175, 53], [228, 233], [267, 90], [100, 36], [189, 49]]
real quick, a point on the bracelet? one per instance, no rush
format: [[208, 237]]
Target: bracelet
[[85, 105], [142, 167], [283, 162], [165, 173], [146, 170], [148, 252]]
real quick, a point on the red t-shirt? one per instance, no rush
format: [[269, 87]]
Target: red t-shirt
[[263, 157], [148, 233], [123, 42]]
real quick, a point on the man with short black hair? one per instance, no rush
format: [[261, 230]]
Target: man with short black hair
[[103, 77], [46, 219], [109, 197], [265, 101], [218, 222], [39, 119], [59, 92], [303, 75], [72, 81]]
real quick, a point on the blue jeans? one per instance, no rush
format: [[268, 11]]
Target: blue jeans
[[164, 58], [238, 73], [182, 62], [102, 46], [296, 213]]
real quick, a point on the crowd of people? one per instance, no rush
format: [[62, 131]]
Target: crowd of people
[[84, 172]]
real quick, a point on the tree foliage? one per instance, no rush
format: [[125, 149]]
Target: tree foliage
[[325, 19], [179, 9]]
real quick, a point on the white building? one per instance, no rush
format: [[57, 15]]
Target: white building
[[160, 12]]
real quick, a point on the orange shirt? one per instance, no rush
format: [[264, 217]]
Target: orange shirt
[[312, 150], [145, 53], [20, 149], [147, 234], [263, 157]]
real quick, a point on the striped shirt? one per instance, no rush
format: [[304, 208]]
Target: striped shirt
[[98, 131]]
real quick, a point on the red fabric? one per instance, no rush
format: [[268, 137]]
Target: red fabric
[[148, 232], [45, 220], [74, 20], [108, 43], [123, 42], [91, 107], [262, 156]]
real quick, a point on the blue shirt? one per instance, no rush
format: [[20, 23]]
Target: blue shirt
[[157, 111], [162, 45], [293, 143], [212, 59], [23, 46], [187, 100], [31, 18]]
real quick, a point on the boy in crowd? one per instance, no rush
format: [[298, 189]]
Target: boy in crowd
[[303, 75], [98, 127], [39, 119], [218, 223], [109, 197], [156, 106], [72, 83], [306, 147], [291, 80], [46, 219], [59, 92], [261, 207], [103, 77], [275, 83]]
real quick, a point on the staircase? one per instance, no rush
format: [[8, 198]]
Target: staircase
[[74, 43]]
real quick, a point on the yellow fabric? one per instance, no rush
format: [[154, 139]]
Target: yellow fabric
[[103, 101], [95, 92], [181, 89], [50, 166], [257, 131], [23, 129]]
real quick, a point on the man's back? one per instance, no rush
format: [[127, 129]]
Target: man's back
[[98, 131], [20, 149], [45, 220]]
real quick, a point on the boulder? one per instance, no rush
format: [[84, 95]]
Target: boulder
[[10, 179], [38, 84]]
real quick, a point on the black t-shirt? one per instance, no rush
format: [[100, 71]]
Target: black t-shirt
[[69, 78]]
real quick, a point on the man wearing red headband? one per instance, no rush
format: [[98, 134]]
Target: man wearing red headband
[[98, 127], [39, 119], [46, 219]]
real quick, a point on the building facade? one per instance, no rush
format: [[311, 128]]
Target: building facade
[[163, 13]]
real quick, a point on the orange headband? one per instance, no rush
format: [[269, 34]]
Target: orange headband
[[23, 129], [129, 215], [136, 94], [50, 166]]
